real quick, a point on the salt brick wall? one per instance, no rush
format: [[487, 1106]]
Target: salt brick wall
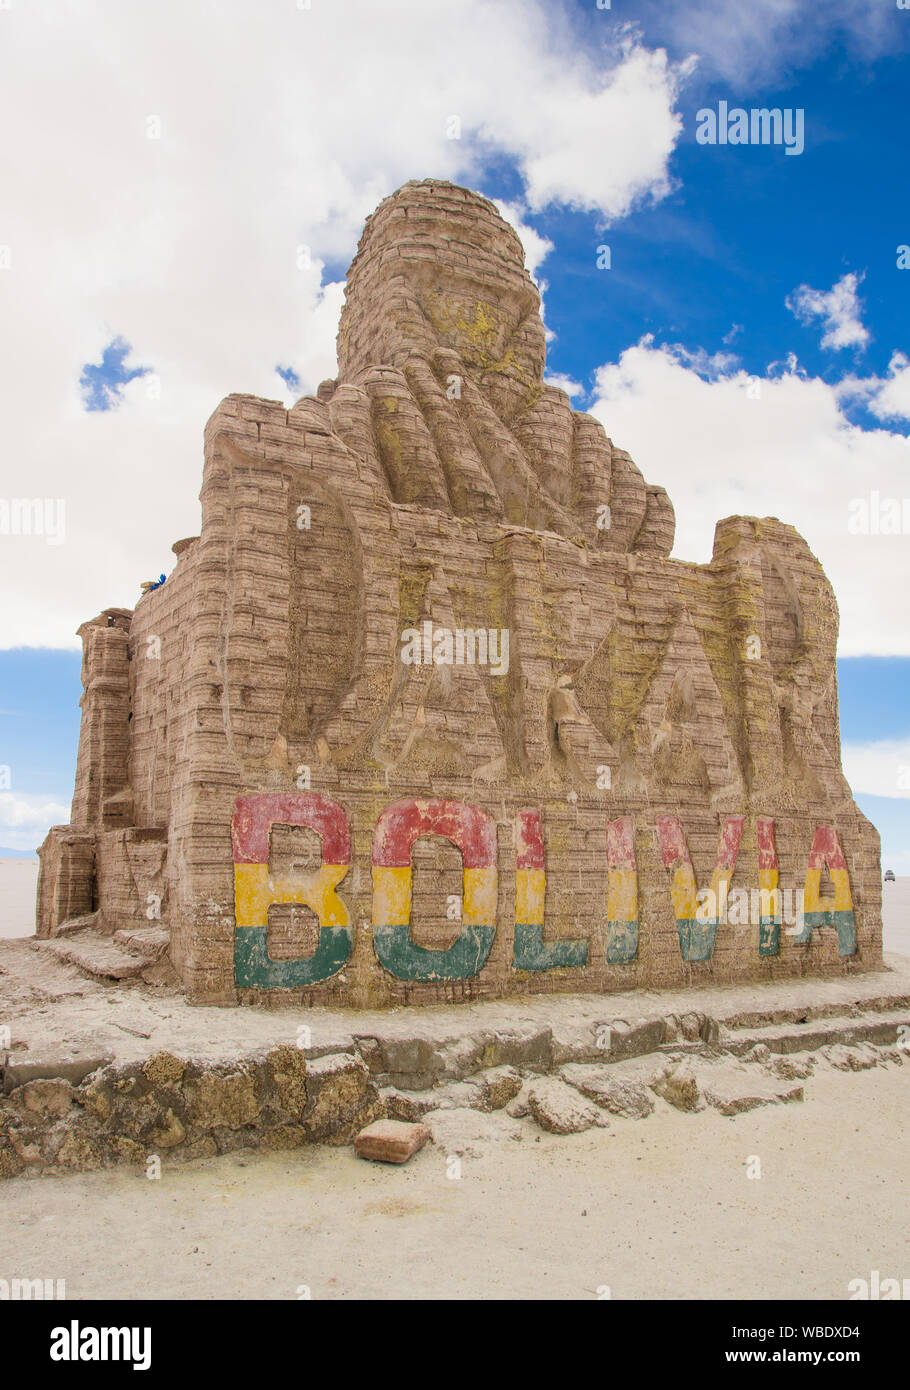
[[279, 647]]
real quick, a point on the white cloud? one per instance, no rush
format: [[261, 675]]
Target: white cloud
[[839, 308], [879, 768], [791, 453], [763, 39], [25, 820], [889, 397], [707, 364], [598, 144], [565, 383], [205, 248]]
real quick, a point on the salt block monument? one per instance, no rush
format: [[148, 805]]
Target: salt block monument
[[426, 712]]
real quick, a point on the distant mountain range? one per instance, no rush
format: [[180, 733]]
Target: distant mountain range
[[17, 853]]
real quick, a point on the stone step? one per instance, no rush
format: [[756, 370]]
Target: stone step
[[847, 1030], [876, 1003], [95, 955], [149, 942], [77, 924]]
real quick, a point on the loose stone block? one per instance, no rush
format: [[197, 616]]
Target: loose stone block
[[733, 1092], [470, 1133], [390, 1141], [612, 1092], [679, 1086], [560, 1109], [68, 1068], [499, 1085], [50, 1098]]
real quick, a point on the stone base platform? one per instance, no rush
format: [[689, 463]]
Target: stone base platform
[[96, 1073]]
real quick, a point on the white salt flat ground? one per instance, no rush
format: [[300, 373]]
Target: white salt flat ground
[[18, 884], [19, 878], [896, 916]]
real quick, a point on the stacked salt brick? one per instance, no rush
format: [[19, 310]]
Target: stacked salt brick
[[439, 479]]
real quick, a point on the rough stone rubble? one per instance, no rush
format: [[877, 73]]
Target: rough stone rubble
[[495, 1078]]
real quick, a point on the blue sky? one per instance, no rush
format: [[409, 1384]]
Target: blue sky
[[743, 228], [102, 382], [167, 270]]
